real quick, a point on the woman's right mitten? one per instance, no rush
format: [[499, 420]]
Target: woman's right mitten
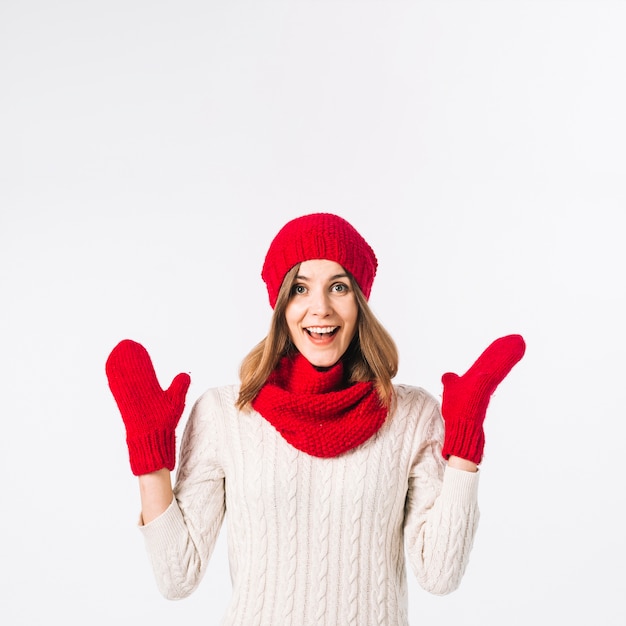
[[150, 414]]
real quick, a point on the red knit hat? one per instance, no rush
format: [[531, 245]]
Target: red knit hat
[[318, 236]]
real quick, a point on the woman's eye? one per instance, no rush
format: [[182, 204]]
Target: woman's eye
[[298, 289], [340, 287]]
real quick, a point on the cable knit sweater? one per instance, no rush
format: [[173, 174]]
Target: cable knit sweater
[[315, 541]]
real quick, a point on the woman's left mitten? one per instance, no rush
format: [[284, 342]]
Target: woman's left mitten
[[465, 398]]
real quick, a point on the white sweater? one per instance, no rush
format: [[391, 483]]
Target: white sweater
[[315, 541]]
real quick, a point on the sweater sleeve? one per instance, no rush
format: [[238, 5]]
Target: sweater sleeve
[[441, 513], [181, 540]]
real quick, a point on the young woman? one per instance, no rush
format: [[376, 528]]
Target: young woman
[[328, 473]]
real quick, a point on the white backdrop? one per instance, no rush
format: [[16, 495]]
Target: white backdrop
[[149, 151]]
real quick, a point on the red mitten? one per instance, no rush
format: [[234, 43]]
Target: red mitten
[[465, 398], [149, 413]]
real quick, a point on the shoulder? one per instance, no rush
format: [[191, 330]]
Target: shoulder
[[216, 400], [209, 419], [417, 412], [411, 399]]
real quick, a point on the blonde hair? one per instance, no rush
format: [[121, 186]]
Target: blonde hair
[[372, 355]]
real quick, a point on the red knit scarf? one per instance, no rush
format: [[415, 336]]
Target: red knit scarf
[[315, 411]]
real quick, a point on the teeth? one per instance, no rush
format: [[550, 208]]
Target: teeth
[[321, 331]]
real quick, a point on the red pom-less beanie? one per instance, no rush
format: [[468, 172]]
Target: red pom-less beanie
[[318, 236]]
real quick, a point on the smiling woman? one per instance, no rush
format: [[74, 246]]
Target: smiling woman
[[330, 472], [322, 312]]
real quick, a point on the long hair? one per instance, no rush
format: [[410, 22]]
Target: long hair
[[371, 356]]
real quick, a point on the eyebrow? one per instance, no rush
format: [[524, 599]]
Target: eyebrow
[[335, 277]]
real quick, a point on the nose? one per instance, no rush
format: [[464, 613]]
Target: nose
[[320, 303]]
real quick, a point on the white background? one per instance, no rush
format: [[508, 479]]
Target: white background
[[149, 151]]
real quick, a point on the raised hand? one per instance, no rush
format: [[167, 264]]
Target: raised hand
[[466, 398], [150, 414]]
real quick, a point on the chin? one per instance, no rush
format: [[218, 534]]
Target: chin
[[321, 362]]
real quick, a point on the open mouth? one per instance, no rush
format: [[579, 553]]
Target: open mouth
[[321, 332]]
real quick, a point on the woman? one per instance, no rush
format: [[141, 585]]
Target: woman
[[329, 472]]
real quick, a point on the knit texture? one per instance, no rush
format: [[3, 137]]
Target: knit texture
[[317, 411], [318, 236], [466, 398], [315, 541], [150, 414]]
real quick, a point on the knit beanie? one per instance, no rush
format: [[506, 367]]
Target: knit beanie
[[318, 236]]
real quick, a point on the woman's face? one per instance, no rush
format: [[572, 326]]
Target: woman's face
[[322, 312]]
